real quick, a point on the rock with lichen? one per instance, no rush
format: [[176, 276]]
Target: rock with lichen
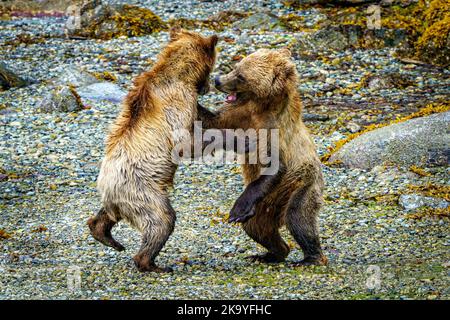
[[103, 21], [421, 141], [330, 39]]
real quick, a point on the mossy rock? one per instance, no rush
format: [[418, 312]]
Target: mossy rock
[[430, 40], [434, 43], [419, 29], [106, 22]]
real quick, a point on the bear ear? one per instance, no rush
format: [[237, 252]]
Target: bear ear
[[213, 40], [175, 33], [283, 77], [210, 44], [285, 52]]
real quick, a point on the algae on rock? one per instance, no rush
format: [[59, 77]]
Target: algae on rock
[[107, 22]]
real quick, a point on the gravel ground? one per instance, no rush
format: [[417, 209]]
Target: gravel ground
[[50, 164]]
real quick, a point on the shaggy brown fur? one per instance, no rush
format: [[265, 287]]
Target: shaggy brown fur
[[138, 168], [264, 85]]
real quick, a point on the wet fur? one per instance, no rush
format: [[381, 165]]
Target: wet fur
[[138, 169], [266, 82]]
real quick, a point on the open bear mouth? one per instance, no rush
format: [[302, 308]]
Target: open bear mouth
[[232, 97]]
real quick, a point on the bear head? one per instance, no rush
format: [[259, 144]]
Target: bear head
[[191, 57], [264, 74]]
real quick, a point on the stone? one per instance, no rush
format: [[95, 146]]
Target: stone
[[323, 40], [315, 117], [244, 39], [61, 99], [378, 83], [353, 127], [9, 79], [422, 142], [73, 76], [411, 202], [102, 91], [261, 21], [388, 81], [341, 37]]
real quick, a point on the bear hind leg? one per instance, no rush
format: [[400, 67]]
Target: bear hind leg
[[301, 220], [263, 229], [101, 226], [156, 225]]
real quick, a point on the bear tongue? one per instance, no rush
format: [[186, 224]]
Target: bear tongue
[[231, 98]]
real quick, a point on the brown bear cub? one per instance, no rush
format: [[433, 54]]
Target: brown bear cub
[[138, 169], [263, 95]]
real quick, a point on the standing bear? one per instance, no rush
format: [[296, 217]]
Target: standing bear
[[138, 167], [262, 94]]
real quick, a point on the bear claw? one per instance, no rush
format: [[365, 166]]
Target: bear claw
[[242, 217]]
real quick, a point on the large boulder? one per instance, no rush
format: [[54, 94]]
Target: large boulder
[[9, 79], [421, 142], [104, 21]]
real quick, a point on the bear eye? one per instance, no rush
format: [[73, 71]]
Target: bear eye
[[241, 78]]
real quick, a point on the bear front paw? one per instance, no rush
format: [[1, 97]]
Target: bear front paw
[[238, 214]]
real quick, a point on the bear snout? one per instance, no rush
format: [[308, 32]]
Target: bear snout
[[217, 81]]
